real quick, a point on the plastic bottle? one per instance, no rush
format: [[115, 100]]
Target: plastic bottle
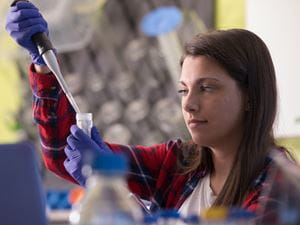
[[85, 122], [106, 199]]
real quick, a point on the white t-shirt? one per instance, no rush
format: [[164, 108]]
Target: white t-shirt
[[201, 198]]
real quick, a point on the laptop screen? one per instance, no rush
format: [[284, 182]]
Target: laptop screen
[[22, 198]]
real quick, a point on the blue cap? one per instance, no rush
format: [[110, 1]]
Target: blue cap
[[58, 199], [110, 163], [241, 214], [192, 219], [169, 213], [161, 20], [150, 219]]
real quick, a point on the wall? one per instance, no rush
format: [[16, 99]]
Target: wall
[[276, 22]]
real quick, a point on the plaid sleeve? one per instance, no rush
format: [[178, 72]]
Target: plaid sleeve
[[145, 167], [54, 116]]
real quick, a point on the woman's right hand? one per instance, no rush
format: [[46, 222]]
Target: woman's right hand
[[79, 145], [22, 22]]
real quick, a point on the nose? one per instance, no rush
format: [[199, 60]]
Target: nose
[[190, 104]]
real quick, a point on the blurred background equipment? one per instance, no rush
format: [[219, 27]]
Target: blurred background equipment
[[70, 22]]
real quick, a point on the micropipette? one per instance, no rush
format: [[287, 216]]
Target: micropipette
[[51, 61], [46, 50]]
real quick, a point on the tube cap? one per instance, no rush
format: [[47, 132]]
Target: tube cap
[[110, 163], [84, 116]]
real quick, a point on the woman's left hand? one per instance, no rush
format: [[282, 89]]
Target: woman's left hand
[[79, 145]]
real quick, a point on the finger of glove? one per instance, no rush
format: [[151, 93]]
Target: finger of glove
[[74, 143], [104, 148], [70, 165], [22, 15], [37, 59], [98, 139], [22, 25], [23, 5], [23, 37], [82, 146], [79, 134], [72, 153], [74, 169], [95, 135]]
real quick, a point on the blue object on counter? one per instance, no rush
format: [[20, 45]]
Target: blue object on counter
[[169, 214], [237, 213], [161, 20], [58, 199], [150, 219], [192, 219]]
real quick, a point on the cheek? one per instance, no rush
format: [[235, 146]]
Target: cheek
[[227, 112]]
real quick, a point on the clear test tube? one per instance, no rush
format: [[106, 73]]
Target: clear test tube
[[85, 122]]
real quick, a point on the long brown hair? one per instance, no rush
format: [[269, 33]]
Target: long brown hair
[[247, 59]]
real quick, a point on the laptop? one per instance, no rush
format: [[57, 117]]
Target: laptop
[[22, 198]]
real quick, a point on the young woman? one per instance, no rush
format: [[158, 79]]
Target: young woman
[[228, 97]]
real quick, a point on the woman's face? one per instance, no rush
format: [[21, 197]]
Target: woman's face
[[212, 103]]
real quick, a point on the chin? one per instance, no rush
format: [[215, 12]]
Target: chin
[[202, 140]]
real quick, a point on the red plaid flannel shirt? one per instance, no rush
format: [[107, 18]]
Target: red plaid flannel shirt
[[152, 175]]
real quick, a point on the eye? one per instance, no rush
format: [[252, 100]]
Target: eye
[[182, 91], [206, 88]]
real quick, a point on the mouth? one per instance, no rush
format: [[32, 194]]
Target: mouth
[[193, 123]]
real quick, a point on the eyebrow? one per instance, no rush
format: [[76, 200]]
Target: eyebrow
[[200, 80]]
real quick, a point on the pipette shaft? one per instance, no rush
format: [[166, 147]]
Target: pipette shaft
[[51, 61]]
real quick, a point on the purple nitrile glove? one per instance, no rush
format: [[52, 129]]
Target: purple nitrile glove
[[80, 144], [22, 22]]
